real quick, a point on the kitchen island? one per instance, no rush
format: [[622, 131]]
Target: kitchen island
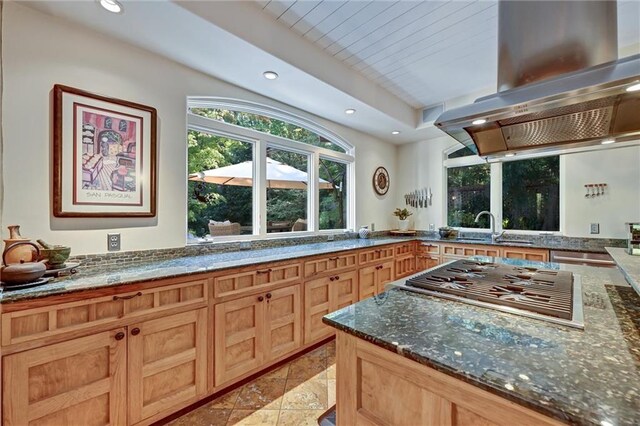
[[408, 358]]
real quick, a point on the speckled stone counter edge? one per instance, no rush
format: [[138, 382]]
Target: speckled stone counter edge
[[629, 266]]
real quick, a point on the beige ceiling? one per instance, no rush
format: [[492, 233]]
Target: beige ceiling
[[425, 52]]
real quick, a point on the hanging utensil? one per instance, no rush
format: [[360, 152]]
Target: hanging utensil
[[430, 195]]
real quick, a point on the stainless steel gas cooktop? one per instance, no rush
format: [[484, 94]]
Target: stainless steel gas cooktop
[[546, 294]]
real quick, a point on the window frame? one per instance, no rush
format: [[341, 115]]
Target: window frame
[[261, 141], [496, 204]]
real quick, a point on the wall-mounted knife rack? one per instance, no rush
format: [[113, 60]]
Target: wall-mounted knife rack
[[420, 198]]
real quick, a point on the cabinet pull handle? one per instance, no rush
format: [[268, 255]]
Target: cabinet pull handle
[[131, 296], [268, 295], [135, 331], [331, 278], [260, 298], [337, 277], [264, 271], [334, 258], [119, 335]]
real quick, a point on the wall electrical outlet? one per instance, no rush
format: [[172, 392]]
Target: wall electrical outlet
[[373, 227], [113, 242], [432, 227], [245, 245], [595, 228], [331, 237]]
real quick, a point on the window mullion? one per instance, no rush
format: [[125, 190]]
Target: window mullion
[[496, 194], [314, 195], [260, 188]]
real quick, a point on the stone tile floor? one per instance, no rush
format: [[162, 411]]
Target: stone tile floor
[[295, 394]]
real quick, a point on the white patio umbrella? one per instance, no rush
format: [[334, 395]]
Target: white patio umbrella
[[279, 176]]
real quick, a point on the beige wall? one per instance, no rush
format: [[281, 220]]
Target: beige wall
[[618, 168], [40, 51]]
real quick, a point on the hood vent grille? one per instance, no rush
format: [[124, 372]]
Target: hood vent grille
[[577, 126]]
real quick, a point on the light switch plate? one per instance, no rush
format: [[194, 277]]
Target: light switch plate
[[595, 228], [432, 227], [113, 242], [373, 227]]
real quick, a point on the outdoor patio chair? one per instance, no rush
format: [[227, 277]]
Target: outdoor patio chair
[[299, 225], [218, 230]]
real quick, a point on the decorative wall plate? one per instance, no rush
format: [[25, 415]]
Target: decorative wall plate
[[381, 181]]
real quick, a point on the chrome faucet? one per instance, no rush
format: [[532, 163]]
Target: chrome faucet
[[494, 235]]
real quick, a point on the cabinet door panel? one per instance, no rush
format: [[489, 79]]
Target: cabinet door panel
[[167, 363], [283, 322], [367, 282], [81, 381], [238, 337], [317, 303], [385, 275], [344, 290]]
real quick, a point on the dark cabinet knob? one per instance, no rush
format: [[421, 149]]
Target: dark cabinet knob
[[268, 295], [119, 335], [260, 298], [135, 331], [331, 278], [337, 277]]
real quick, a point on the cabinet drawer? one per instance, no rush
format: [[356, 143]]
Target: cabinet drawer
[[406, 248], [369, 256], [244, 282], [428, 248], [458, 250], [32, 324], [526, 254], [329, 264]]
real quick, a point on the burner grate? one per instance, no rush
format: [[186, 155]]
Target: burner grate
[[542, 291]]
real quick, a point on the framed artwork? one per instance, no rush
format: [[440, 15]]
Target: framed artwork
[[104, 156]]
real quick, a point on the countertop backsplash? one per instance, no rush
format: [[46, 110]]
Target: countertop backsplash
[[106, 261]]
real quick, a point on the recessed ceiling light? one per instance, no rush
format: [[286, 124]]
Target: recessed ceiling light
[[633, 88], [395, 132], [270, 75], [112, 6], [478, 121], [350, 111], [511, 154], [607, 141]]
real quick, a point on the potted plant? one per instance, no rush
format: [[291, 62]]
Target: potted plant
[[403, 221]]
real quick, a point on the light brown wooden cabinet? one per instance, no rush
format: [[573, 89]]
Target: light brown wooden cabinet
[[539, 255], [254, 278], [330, 264], [379, 387], [377, 255], [255, 329], [81, 381], [372, 279], [167, 363], [405, 265], [323, 296], [426, 261]]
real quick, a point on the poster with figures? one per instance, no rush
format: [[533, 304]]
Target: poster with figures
[[104, 156]]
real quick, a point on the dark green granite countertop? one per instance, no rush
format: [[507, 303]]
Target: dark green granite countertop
[[589, 376], [537, 242], [182, 266]]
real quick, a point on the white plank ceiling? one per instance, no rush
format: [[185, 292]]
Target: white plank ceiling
[[424, 52]]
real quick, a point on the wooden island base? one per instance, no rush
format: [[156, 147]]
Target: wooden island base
[[378, 387]]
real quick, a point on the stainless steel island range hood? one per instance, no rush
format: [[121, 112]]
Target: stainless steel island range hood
[[560, 84]]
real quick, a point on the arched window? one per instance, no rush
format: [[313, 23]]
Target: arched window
[[260, 171]]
